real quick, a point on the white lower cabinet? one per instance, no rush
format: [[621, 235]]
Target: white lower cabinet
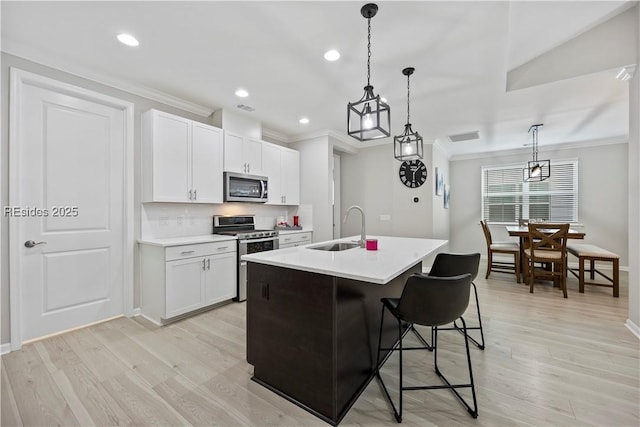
[[289, 240], [180, 279], [220, 280]]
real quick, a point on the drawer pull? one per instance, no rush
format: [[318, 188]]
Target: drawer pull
[[186, 252], [286, 240], [223, 248]]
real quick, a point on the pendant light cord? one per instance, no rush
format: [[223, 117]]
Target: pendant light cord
[[369, 52], [408, 116]]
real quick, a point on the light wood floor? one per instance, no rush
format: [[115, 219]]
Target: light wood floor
[[548, 361]]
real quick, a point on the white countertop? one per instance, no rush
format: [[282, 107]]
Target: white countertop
[[205, 238], [187, 240], [394, 256]]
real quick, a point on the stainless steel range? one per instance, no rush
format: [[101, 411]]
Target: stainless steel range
[[250, 241]]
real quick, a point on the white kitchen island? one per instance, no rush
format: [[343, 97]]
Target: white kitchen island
[[313, 317]]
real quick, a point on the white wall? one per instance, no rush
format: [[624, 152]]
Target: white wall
[[603, 196], [634, 189], [370, 180], [440, 215], [316, 166]]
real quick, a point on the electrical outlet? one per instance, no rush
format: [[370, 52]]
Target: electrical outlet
[[385, 217], [179, 220], [164, 221]]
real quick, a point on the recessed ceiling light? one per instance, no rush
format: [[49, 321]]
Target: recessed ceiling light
[[304, 120], [332, 55], [128, 39], [242, 93]]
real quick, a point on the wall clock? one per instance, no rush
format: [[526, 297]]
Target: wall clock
[[413, 173]]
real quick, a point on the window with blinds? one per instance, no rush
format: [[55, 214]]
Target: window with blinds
[[507, 198]]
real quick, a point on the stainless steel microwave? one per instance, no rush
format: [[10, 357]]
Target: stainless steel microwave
[[240, 187]]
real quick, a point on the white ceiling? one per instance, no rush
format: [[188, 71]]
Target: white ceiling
[[202, 52]]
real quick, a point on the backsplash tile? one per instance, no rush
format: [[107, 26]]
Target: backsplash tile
[[163, 220]]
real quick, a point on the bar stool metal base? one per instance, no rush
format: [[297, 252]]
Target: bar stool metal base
[[434, 347], [455, 326]]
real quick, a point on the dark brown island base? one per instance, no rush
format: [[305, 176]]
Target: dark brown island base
[[312, 336]]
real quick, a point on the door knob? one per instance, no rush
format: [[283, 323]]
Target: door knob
[[31, 243]]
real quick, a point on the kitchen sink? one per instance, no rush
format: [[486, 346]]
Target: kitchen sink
[[341, 246]]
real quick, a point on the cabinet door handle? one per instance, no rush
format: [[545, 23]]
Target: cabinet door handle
[[195, 194], [190, 194], [204, 264], [208, 263], [248, 167], [186, 252]]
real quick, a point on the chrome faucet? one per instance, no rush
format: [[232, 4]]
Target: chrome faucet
[[363, 236]]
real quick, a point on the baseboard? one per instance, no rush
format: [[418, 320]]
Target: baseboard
[[5, 348], [635, 330]]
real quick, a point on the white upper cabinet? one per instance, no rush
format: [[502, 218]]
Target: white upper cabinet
[[271, 168], [181, 159], [242, 154], [207, 163], [291, 176], [282, 166]]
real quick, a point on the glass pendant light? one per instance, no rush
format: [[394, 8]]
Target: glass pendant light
[[536, 170], [408, 146], [368, 118]]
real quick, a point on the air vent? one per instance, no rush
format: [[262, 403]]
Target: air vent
[[464, 136], [246, 108]]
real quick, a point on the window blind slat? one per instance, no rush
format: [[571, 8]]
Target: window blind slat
[[507, 198]]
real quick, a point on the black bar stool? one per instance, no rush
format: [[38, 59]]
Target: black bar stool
[[428, 301], [446, 265]]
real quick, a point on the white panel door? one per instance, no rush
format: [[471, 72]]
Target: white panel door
[[206, 161], [70, 197]]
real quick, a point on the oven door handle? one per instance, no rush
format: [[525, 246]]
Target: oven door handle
[[266, 239]]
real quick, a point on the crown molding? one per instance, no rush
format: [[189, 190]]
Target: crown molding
[[32, 55], [622, 139], [275, 135]]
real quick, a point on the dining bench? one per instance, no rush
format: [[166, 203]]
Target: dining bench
[[593, 253]]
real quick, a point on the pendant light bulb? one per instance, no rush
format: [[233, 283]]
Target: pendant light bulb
[[535, 170]]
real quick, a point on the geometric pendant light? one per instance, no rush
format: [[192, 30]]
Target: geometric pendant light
[[536, 170], [407, 146], [368, 118]]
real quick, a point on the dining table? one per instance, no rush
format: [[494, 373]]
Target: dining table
[[522, 232]]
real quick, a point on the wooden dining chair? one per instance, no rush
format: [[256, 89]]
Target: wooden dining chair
[[548, 245], [507, 248]]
